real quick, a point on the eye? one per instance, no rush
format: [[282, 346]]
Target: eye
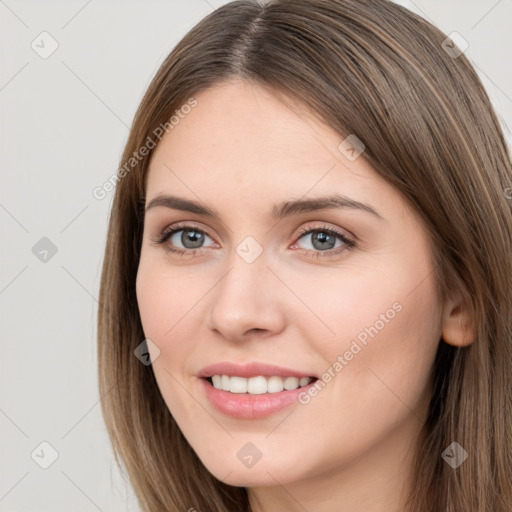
[[190, 237], [323, 241]]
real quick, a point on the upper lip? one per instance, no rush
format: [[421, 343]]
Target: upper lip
[[250, 370]]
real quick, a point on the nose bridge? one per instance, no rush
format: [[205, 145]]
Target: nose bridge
[[247, 269], [244, 298]]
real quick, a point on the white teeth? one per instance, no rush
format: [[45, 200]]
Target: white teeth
[[291, 383], [237, 385], [225, 382], [304, 381], [274, 384], [258, 385]]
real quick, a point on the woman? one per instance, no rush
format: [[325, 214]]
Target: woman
[[306, 298]]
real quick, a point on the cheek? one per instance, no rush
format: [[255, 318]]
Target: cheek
[[152, 301], [164, 303], [387, 364], [386, 329], [163, 298]]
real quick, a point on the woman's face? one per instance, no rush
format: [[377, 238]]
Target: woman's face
[[341, 292]]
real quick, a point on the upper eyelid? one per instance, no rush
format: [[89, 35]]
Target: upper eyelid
[[184, 226]]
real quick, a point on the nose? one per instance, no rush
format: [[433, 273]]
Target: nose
[[247, 301]]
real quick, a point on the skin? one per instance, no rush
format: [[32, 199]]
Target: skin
[[240, 151]]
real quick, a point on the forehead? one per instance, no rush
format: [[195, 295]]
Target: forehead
[[241, 120], [239, 127], [241, 145]]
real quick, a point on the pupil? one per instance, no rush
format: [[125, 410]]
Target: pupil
[[194, 238], [323, 238]]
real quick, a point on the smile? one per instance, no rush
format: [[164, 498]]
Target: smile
[[250, 405], [258, 385]]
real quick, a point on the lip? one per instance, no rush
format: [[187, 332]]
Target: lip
[[251, 370], [246, 406]]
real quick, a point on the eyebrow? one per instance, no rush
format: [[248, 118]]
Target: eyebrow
[[279, 211]]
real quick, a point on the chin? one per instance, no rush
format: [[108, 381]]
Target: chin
[[263, 473], [249, 477]]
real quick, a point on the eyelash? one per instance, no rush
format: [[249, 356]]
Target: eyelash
[[349, 244]]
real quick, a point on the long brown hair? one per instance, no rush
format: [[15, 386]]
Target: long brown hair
[[376, 70]]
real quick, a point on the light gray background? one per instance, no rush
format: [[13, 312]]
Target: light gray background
[[64, 122]]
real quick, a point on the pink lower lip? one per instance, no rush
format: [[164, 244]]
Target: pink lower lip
[[245, 406]]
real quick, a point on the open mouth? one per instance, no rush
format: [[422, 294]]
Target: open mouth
[[258, 385]]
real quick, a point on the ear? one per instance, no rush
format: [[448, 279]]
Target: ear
[[458, 325]]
